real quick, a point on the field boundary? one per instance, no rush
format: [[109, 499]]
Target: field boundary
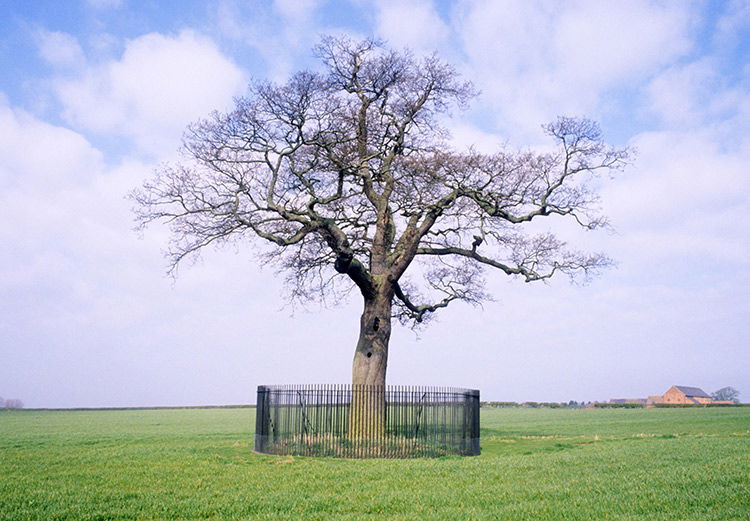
[[144, 408]]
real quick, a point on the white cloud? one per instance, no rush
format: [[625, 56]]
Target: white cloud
[[689, 170], [600, 43], [59, 49], [464, 135], [280, 32], [410, 24], [534, 60], [682, 209], [701, 96], [158, 86], [733, 24], [37, 156], [59, 202], [681, 95], [297, 12]]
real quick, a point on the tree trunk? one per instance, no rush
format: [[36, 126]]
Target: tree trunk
[[367, 412], [371, 355]]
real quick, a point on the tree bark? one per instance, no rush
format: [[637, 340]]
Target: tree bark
[[371, 355], [367, 412]]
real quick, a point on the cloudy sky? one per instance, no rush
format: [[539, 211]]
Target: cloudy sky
[[95, 94]]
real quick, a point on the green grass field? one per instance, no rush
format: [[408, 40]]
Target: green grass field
[[655, 464]]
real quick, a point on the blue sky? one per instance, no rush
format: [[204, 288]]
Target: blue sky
[[95, 94]]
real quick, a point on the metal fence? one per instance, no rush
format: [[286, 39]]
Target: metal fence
[[402, 421]]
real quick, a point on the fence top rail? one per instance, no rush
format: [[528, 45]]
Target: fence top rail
[[370, 388]]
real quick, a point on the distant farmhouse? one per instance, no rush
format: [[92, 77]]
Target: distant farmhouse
[[678, 394], [675, 395]]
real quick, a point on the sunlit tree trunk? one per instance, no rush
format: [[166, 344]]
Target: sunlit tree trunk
[[367, 412]]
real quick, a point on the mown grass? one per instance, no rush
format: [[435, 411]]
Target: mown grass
[[659, 464]]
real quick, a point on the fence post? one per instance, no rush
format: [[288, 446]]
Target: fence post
[[262, 419], [474, 412]]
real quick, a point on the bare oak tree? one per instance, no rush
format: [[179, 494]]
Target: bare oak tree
[[348, 175]]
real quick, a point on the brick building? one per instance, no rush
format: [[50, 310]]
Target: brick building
[[680, 394], [675, 395]]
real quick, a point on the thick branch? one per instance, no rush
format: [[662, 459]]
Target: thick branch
[[418, 312], [345, 262], [472, 254]]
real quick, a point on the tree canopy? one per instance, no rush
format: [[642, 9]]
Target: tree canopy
[[348, 175]]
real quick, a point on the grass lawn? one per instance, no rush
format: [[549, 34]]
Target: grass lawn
[[540, 464]]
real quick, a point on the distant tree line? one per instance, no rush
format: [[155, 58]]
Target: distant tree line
[[538, 405], [611, 405], [11, 403], [727, 394], [688, 405]]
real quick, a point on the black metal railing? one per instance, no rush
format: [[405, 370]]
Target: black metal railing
[[367, 421]]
